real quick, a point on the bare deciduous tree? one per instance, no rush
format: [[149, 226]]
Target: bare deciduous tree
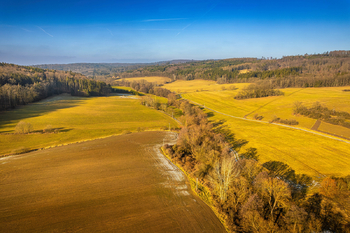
[[224, 172]]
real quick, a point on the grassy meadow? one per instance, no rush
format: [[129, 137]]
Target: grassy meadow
[[213, 96], [198, 85], [77, 119], [305, 152]]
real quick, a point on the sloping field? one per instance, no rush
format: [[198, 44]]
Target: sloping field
[[157, 79], [305, 152], [198, 85], [268, 107], [116, 184], [77, 119]]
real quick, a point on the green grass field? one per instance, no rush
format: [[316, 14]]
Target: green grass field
[[77, 119], [305, 152]]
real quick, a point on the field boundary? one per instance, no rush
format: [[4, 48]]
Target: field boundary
[[204, 194], [70, 143]]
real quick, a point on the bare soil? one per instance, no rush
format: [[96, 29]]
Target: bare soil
[[116, 184]]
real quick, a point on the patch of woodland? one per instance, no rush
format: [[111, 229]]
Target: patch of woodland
[[276, 119], [20, 85], [255, 197], [318, 111], [258, 90], [145, 87], [23, 127]]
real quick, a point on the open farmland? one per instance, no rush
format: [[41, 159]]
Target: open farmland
[[305, 152], [200, 85], [269, 107], [116, 184], [151, 79], [77, 119]]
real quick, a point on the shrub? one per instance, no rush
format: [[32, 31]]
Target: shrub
[[23, 127], [48, 129], [258, 117]]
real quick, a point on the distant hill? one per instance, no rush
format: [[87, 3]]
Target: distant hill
[[309, 70], [105, 69]]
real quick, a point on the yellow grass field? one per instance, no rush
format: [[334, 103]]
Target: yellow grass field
[[200, 86], [77, 119], [268, 107], [305, 152], [157, 79]]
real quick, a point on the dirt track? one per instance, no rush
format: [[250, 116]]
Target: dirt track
[[117, 184]]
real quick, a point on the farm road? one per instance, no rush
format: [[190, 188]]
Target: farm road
[[264, 122]]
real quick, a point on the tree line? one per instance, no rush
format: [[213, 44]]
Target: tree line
[[250, 196], [20, 85], [258, 90], [318, 111], [315, 70]]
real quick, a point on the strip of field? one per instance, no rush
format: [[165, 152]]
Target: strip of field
[[200, 85], [116, 184], [77, 119], [157, 79]]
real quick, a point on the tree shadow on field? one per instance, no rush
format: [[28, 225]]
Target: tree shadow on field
[[210, 114], [53, 130], [39, 108], [221, 127]]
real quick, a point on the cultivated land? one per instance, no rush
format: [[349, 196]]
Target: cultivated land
[[116, 184], [78, 119], [151, 79], [305, 152]]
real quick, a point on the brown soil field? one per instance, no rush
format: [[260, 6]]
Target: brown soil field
[[116, 184]]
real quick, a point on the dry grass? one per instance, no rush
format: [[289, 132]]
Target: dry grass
[[280, 106], [159, 80], [107, 185], [305, 152], [335, 129], [200, 86], [77, 119]]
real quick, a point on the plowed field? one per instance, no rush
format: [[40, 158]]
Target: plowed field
[[116, 184]]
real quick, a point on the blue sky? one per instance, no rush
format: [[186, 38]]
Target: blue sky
[[68, 31]]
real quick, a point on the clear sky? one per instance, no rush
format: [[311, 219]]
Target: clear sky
[[68, 31]]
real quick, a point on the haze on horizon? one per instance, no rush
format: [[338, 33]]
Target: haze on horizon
[[62, 31]]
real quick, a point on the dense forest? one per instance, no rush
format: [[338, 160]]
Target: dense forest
[[251, 196], [104, 71], [20, 85], [316, 70]]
